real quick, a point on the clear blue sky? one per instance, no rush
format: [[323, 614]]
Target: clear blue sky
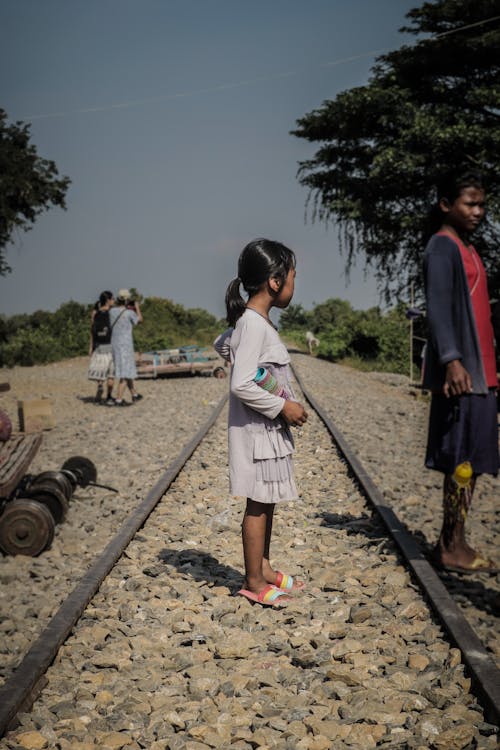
[[172, 119]]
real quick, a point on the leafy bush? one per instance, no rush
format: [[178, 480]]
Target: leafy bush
[[371, 338], [48, 337], [31, 346], [374, 339]]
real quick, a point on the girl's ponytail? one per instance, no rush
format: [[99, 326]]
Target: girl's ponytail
[[235, 304]]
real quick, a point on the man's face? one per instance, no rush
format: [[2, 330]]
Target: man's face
[[466, 212]]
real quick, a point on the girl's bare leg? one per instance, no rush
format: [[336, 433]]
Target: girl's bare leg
[[121, 388], [267, 571], [130, 385], [109, 388], [256, 535]]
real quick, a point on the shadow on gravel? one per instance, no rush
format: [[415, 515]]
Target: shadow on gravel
[[202, 567], [464, 589], [370, 526], [88, 400]]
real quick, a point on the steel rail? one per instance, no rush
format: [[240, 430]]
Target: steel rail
[[21, 690], [484, 673]]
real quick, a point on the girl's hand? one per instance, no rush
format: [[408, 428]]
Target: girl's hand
[[294, 413]]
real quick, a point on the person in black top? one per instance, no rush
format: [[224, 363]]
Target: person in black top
[[101, 356]]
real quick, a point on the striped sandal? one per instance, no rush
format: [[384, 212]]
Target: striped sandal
[[268, 597], [286, 583]]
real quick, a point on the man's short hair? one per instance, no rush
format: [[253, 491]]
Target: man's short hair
[[451, 184]]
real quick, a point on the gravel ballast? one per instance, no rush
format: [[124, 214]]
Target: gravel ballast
[[165, 656]]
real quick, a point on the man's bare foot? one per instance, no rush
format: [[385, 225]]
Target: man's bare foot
[[463, 560]]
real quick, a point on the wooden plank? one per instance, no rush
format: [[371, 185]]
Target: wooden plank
[[16, 455]]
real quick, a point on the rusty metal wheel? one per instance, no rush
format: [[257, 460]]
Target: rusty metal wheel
[[56, 478], [50, 494], [26, 527], [83, 470]]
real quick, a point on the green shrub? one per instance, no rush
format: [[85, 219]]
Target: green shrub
[[47, 337], [366, 338], [31, 346]]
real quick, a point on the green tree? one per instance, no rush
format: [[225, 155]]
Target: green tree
[[28, 184], [294, 317], [428, 108], [370, 339], [51, 336]]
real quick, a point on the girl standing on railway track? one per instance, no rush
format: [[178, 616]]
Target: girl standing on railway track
[[260, 441]]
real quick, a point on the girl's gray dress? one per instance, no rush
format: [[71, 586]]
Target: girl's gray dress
[[122, 343], [260, 442]]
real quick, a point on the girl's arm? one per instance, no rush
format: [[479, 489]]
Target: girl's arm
[[250, 336], [138, 312], [135, 315], [91, 344], [222, 344]]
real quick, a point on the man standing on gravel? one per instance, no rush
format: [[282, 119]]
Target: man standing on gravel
[[460, 367]]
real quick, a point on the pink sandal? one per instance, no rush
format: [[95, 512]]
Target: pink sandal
[[268, 597], [286, 583]]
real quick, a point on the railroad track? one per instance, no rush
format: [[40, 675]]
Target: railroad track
[[484, 672], [19, 692]]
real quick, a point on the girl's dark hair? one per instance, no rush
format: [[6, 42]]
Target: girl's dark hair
[[450, 187], [259, 261], [103, 298]]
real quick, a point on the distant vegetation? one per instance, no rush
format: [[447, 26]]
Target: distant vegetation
[[48, 337], [368, 339]]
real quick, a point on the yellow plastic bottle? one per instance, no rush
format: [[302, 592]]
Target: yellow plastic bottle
[[463, 474]]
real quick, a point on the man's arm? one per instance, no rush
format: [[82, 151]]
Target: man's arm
[[439, 273]]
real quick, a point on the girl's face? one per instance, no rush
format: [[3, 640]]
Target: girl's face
[[466, 212], [285, 294]]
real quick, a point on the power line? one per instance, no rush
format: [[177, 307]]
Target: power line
[[464, 28], [248, 82]]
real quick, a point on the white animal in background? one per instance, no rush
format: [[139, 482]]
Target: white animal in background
[[312, 341]]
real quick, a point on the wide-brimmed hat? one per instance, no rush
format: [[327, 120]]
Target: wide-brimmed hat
[[124, 294]]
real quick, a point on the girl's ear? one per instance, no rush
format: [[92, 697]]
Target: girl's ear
[[444, 205], [274, 284]]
